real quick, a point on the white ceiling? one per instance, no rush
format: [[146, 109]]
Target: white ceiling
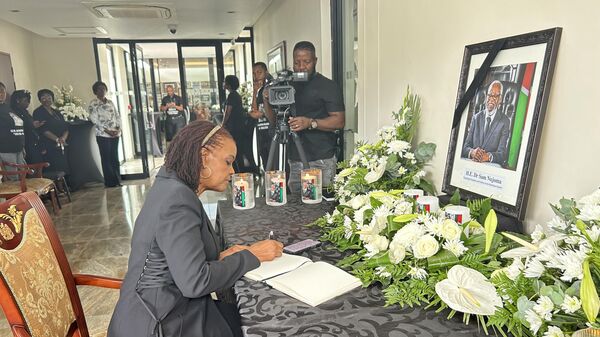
[[196, 19]]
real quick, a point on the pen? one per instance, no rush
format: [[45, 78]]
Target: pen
[[271, 235]]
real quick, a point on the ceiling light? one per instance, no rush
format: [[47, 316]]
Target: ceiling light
[[221, 33], [230, 12], [15, 10]]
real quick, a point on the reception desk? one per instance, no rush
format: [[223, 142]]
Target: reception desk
[[361, 312]]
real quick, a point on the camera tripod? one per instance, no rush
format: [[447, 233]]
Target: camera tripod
[[281, 136]]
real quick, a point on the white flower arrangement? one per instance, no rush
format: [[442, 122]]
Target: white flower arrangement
[[70, 106]]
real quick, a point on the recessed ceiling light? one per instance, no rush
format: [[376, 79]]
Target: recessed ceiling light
[[221, 33], [63, 34], [230, 12], [15, 10]]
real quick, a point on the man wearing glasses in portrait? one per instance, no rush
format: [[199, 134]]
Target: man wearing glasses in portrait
[[489, 131]]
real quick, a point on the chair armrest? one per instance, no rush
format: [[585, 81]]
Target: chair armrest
[[97, 281], [19, 331], [36, 167]]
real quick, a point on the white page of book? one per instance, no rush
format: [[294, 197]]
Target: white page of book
[[315, 283], [280, 265]]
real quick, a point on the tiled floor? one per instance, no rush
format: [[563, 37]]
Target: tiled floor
[[95, 230]]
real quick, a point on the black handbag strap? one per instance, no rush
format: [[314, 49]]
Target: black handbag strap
[[477, 80]]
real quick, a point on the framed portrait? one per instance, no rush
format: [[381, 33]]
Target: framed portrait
[[276, 58], [493, 148]]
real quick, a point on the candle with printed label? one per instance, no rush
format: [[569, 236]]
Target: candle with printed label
[[460, 214], [312, 185], [243, 190], [428, 204], [275, 188], [414, 193]]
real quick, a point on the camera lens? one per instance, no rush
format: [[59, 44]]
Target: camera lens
[[281, 95]]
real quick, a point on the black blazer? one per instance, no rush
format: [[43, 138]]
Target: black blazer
[[173, 221], [494, 142]]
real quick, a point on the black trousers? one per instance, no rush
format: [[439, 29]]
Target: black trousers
[[109, 154]]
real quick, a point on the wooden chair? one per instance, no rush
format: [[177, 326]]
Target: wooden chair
[[36, 183], [38, 292]]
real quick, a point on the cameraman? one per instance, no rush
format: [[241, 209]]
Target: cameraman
[[319, 113]]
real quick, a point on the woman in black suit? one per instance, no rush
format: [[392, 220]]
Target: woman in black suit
[[53, 133], [176, 263]]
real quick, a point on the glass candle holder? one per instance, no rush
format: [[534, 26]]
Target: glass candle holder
[[460, 214], [413, 193], [428, 204], [243, 190], [312, 185], [275, 188]]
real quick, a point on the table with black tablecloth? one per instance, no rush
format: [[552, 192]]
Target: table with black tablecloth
[[361, 312], [83, 155]]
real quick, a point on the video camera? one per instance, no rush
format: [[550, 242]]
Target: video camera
[[281, 92]]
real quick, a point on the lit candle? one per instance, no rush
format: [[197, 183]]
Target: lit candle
[[309, 187], [277, 191], [428, 204], [240, 192], [460, 214]]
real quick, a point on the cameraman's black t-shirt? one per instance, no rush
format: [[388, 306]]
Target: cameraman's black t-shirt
[[316, 99]]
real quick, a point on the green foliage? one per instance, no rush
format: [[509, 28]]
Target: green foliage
[[455, 199], [479, 208], [425, 151], [408, 293]]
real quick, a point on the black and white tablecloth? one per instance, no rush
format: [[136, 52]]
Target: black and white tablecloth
[[268, 312]]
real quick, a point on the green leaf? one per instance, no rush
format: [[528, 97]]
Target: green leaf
[[405, 218], [424, 152], [378, 260], [428, 187], [443, 258], [491, 222], [589, 297], [455, 200]]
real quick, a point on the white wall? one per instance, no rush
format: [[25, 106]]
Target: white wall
[[64, 61], [294, 21], [18, 42], [421, 44]]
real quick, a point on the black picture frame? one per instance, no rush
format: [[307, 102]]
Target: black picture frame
[[507, 180]]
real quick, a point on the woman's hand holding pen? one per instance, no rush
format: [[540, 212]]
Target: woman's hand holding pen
[[266, 250]]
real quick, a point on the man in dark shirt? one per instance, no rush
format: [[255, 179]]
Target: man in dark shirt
[[173, 106], [319, 113]]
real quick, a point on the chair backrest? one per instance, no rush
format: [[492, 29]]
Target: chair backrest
[[37, 289]]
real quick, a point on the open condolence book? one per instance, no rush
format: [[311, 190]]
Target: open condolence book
[[310, 282]]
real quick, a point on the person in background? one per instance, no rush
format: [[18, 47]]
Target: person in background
[[54, 133], [320, 113], [12, 135], [172, 105], [107, 120], [177, 268], [202, 112], [234, 121], [264, 129], [19, 102]]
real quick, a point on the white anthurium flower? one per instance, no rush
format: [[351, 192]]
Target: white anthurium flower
[[469, 291], [528, 248], [450, 230], [375, 174], [377, 243], [589, 213], [425, 247], [570, 304], [554, 332]]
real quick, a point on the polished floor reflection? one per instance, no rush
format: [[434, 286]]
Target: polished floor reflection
[[95, 230]]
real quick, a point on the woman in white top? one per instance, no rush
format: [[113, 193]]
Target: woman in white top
[[105, 116]]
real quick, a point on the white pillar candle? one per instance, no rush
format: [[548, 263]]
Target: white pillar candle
[[275, 189], [428, 204], [413, 193], [243, 191], [311, 184], [460, 214]]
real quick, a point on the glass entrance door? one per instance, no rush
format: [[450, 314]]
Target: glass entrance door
[[202, 79]]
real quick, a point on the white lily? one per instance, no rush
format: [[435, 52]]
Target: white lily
[[375, 174], [469, 291], [529, 248]]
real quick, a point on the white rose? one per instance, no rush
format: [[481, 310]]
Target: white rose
[[377, 243], [450, 230], [397, 252], [358, 201], [425, 247], [375, 174]]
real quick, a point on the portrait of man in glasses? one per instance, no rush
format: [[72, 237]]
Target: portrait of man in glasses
[[489, 130]]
